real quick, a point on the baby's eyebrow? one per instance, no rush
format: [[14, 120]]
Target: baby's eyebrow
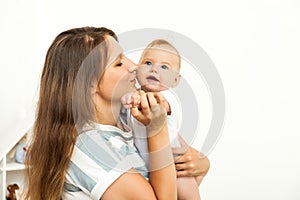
[[165, 63], [146, 59]]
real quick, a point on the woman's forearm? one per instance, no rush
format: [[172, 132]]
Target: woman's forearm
[[162, 169]]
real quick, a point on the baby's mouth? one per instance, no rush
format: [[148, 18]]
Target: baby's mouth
[[153, 78]]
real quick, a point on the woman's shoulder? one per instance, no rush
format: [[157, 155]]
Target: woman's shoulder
[[98, 137], [103, 145], [105, 132]]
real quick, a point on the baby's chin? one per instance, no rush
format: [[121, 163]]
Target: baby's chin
[[153, 88]]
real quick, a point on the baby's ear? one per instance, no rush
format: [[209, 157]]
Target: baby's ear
[[176, 80]]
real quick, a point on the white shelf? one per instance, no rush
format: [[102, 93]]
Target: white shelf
[[10, 171], [13, 166]]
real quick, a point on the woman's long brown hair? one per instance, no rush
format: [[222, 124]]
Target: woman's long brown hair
[[64, 101]]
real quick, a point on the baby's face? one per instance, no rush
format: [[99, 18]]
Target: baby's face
[[158, 69]]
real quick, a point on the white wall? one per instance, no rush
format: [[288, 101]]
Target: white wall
[[19, 69], [254, 44]]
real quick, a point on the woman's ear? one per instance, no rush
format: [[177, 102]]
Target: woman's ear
[[176, 80], [94, 88]]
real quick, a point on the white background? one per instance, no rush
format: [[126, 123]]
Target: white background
[[255, 45]]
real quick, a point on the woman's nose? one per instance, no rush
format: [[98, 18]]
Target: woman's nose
[[132, 67]]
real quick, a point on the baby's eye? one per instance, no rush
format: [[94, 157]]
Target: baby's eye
[[164, 67], [148, 63]]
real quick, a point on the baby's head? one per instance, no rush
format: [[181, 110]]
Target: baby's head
[[159, 67]]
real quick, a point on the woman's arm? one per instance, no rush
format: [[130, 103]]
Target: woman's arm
[[190, 162], [162, 169], [162, 180], [130, 185]]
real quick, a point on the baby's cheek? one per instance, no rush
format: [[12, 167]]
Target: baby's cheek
[[166, 82]]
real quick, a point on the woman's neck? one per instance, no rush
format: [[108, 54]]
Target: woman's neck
[[108, 113]]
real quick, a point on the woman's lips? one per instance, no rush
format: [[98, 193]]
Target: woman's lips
[[133, 81]]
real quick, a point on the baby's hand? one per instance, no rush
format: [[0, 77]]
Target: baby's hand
[[131, 100]]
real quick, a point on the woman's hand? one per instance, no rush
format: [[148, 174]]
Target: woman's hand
[[189, 161], [151, 112], [162, 175]]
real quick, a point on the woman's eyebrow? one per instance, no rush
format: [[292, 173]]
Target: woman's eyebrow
[[119, 57]]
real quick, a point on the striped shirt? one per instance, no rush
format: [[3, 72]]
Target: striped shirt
[[101, 154]]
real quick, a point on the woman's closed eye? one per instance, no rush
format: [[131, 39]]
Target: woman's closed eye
[[119, 64], [119, 61]]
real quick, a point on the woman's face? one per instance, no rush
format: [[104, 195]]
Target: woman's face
[[119, 76]]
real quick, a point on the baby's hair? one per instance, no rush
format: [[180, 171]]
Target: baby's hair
[[158, 42]]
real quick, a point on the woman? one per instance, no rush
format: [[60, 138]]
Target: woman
[[84, 76], [80, 148]]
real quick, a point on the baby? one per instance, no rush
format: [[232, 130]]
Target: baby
[[158, 71]]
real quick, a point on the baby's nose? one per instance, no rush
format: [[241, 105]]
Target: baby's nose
[[153, 68]]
